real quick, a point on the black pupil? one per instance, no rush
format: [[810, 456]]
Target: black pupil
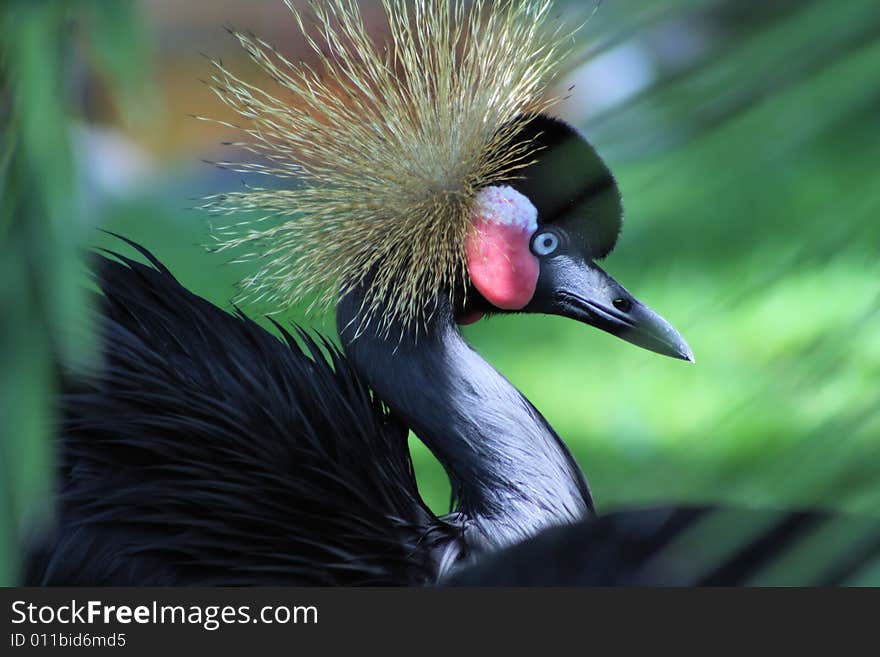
[[623, 305], [548, 242]]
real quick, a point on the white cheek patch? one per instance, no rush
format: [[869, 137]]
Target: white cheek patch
[[504, 206]]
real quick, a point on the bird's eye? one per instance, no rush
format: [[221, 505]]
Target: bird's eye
[[623, 305], [544, 244]]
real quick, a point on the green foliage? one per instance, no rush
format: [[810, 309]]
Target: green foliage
[[41, 229]]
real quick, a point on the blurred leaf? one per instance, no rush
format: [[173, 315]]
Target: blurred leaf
[[41, 230], [118, 42]]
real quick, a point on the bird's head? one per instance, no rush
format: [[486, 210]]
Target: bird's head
[[426, 174], [534, 244]]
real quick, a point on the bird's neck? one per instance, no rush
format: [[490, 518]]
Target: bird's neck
[[511, 475]]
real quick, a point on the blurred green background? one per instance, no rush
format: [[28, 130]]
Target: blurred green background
[[745, 137]]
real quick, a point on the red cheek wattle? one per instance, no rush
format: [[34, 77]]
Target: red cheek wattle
[[501, 265]]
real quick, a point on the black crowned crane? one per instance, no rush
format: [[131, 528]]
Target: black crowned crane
[[433, 190]]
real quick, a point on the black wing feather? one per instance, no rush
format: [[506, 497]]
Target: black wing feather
[[204, 450], [690, 546]]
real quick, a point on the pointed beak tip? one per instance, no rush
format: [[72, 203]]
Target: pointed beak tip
[[686, 353]]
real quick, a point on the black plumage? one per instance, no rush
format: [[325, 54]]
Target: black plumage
[[198, 453], [691, 546], [585, 198]]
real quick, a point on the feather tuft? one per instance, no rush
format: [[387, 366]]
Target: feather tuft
[[387, 145]]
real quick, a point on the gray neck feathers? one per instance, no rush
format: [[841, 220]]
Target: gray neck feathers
[[511, 475]]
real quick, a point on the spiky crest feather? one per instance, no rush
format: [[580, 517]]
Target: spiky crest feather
[[390, 144]]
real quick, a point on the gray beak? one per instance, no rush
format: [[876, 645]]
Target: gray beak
[[584, 292]]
